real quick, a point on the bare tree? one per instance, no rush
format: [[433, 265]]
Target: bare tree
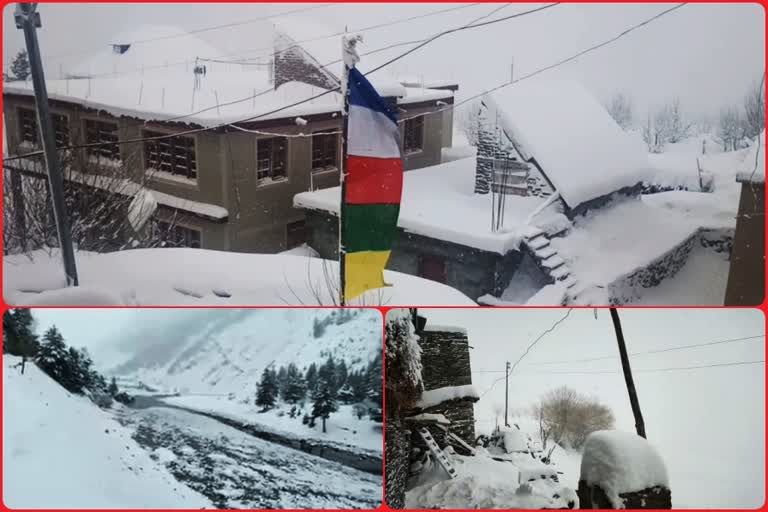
[[730, 130], [99, 199], [667, 125], [620, 109], [754, 110], [568, 418]]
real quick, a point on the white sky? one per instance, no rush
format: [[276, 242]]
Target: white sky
[[695, 417], [705, 53]]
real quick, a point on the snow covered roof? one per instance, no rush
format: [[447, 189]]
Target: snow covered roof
[[162, 45], [439, 202], [579, 147], [620, 462], [752, 168], [444, 328]]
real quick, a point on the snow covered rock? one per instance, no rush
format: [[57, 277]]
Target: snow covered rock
[[622, 470]]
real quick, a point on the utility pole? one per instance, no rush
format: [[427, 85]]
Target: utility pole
[[506, 397], [28, 19], [639, 423]]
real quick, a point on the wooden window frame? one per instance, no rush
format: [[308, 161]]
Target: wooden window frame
[[267, 154], [61, 128], [181, 154], [183, 229], [409, 135], [109, 151], [325, 142]]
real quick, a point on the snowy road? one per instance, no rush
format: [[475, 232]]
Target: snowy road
[[237, 470]]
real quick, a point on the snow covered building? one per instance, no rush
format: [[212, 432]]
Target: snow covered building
[[231, 186], [746, 278]]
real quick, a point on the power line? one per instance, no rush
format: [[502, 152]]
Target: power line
[[527, 350], [274, 111], [651, 370], [658, 351]]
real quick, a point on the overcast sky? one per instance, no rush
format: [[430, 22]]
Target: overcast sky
[[696, 417], [705, 53]]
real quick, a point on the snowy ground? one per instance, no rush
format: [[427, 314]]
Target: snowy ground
[[237, 470], [61, 451], [200, 277], [343, 427]]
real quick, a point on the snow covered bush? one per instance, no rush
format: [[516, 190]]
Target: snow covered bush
[[567, 417], [620, 109], [403, 360]]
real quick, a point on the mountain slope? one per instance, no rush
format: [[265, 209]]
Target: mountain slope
[[225, 351], [61, 451]]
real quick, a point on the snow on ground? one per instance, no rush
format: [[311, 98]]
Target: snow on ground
[[485, 483], [621, 462], [202, 277], [61, 451], [342, 427], [440, 202]]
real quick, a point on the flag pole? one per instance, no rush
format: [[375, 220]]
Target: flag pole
[[350, 57]]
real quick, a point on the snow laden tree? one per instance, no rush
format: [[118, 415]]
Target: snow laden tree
[[113, 390], [19, 338], [620, 109], [730, 130], [20, 66], [324, 401], [374, 392], [754, 110], [346, 394], [267, 392], [403, 386], [294, 386], [310, 378], [52, 357], [667, 125], [327, 372]]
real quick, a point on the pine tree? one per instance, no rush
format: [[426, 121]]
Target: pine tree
[[88, 374], [327, 372], [19, 337], [113, 390], [20, 66], [310, 378], [294, 388], [341, 375], [324, 401], [53, 354], [73, 377], [266, 394], [346, 394], [282, 381], [356, 379], [374, 389]]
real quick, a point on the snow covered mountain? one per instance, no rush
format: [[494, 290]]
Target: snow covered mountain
[[61, 451], [225, 351]]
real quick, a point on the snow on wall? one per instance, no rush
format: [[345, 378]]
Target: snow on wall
[[437, 396], [580, 148], [620, 462], [445, 328]]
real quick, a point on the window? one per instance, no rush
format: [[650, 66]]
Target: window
[[105, 133], [174, 155], [324, 151], [270, 158], [414, 135], [432, 268], [177, 236], [31, 134], [295, 234], [28, 126]]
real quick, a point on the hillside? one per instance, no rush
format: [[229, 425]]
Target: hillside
[[225, 351], [61, 451]]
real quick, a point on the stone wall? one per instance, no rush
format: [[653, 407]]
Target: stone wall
[[397, 454], [656, 498]]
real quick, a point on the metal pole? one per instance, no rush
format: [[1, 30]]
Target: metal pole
[[639, 423], [343, 171], [506, 398], [28, 20]]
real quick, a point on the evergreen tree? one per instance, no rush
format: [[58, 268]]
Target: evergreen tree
[[310, 379], [73, 377], [324, 401], [20, 66], [19, 336], [294, 388], [356, 380], [374, 388], [113, 390], [282, 381], [88, 374], [52, 357], [341, 375], [346, 394], [327, 372], [266, 394]]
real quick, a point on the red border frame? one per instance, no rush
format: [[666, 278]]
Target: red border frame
[[4, 307]]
